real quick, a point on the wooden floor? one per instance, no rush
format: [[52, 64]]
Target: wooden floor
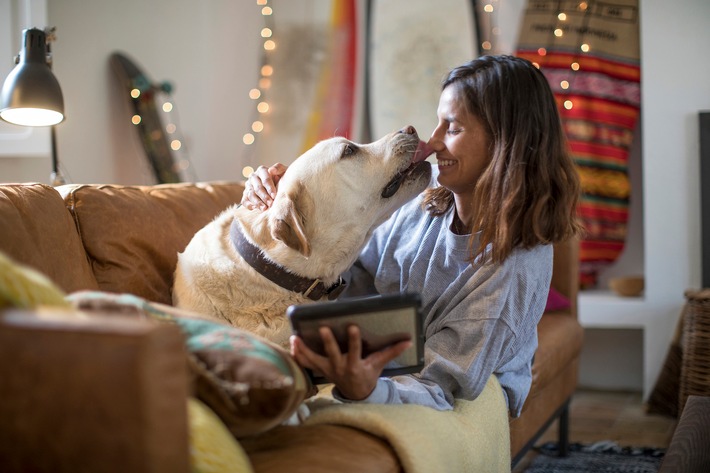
[[616, 416]]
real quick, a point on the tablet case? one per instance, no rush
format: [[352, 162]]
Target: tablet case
[[383, 320]]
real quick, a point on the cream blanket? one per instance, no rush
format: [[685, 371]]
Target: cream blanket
[[474, 437]]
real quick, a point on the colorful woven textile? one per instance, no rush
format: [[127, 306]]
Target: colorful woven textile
[[589, 52], [334, 106]]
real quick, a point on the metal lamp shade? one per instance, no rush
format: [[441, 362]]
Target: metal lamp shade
[[31, 95]]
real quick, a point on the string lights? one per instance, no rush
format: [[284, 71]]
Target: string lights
[[488, 29], [160, 96], [258, 94], [560, 31]]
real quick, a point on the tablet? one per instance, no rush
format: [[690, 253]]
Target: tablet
[[383, 321]]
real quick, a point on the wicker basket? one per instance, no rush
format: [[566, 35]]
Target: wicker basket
[[695, 368]]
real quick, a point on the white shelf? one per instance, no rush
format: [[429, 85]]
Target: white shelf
[[604, 309]]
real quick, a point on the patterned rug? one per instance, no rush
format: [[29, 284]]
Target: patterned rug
[[606, 456]]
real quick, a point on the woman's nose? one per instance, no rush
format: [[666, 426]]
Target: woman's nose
[[435, 141]]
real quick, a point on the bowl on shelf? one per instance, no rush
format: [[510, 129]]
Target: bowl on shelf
[[627, 286]]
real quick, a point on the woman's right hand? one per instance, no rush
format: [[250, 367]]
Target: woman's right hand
[[260, 188]]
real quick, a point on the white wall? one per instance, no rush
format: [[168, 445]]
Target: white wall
[[208, 50]]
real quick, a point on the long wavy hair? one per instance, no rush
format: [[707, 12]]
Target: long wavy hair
[[528, 193]]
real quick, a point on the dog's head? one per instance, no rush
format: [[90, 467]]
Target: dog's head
[[337, 192]]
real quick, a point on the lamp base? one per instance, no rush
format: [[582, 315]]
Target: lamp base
[[57, 179]]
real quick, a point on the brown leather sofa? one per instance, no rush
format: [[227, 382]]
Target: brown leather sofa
[[103, 395]]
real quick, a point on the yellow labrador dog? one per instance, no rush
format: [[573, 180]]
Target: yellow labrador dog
[[246, 267]]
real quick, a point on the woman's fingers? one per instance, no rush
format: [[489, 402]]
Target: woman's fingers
[[304, 356], [260, 189], [354, 345], [259, 183], [380, 358]]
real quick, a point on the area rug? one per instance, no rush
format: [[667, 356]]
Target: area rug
[[606, 456]]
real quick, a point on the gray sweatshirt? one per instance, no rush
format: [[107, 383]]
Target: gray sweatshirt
[[479, 319]]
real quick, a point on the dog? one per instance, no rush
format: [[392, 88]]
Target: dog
[[247, 267]]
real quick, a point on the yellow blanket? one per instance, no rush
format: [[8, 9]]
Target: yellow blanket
[[474, 437]]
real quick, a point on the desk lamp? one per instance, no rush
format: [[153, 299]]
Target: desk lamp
[[31, 95]]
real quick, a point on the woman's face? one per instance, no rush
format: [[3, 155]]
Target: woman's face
[[460, 142]]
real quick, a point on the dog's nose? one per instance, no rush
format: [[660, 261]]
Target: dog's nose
[[409, 130]]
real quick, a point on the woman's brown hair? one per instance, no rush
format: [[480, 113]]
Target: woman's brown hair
[[528, 193]]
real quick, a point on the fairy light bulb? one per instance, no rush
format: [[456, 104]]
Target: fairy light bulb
[[247, 171]]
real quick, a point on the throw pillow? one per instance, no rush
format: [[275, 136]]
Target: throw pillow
[[212, 448], [252, 384], [556, 301], [25, 288]]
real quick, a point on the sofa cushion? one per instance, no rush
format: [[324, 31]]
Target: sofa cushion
[[38, 231], [250, 383], [132, 235]]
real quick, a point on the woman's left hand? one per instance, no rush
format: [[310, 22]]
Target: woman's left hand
[[354, 376]]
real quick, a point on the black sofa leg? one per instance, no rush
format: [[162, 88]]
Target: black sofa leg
[[564, 431]]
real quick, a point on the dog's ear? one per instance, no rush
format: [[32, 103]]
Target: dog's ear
[[287, 220]]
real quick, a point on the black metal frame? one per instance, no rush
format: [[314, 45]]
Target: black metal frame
[[704, 132]]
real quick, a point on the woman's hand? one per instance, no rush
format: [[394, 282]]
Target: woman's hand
[[260, 188], [354, 376]]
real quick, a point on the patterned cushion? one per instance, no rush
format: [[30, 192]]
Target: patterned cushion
[[25, 288], [249, 382]]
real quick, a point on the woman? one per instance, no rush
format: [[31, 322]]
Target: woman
[[477, 247]]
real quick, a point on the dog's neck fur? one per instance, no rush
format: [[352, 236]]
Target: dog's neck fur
[[327, 262]]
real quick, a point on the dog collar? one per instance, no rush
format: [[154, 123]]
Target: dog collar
[[313, 289]]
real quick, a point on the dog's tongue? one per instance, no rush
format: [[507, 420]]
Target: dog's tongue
[[423, 151]]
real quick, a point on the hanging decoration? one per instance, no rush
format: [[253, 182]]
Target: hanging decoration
[[258, 94], [410, 51], [334, 105], [589, 52]]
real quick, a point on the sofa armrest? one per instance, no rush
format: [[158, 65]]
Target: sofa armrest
[[97, 394]]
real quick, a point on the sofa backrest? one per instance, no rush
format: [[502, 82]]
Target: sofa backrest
[[132, 234], [37, 230]]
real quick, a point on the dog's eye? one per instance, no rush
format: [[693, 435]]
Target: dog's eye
[[348, 150]]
